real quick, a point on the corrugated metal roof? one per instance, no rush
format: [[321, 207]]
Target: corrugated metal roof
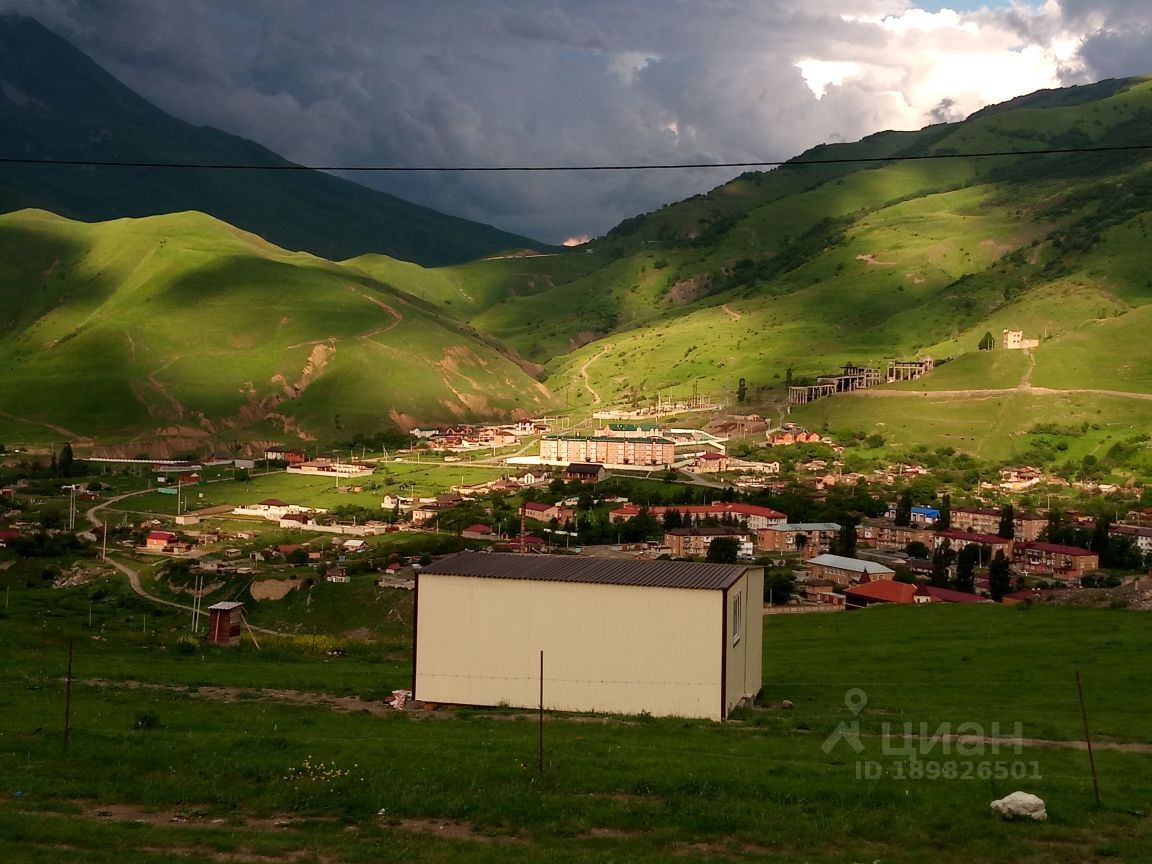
[[854, 564], [600, 571]]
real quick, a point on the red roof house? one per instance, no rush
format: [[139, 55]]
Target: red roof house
[[879, 591], [159, 540], [932, 594]]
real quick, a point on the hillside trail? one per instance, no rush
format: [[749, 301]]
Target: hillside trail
[[596, 400], [74, 437], [1026, 381], [397, 318], [731, 313], [1002, 391]]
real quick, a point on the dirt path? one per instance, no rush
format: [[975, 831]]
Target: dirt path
[[349, 704], [1026, 381], [731, 313], [74, 437], [596, 400], [1003, 391], [353, 704], [397, 317], [1042, 743]]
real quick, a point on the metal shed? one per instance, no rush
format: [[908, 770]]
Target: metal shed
[[224, 623], [669, 638]]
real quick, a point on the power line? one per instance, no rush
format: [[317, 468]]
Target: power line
[[677, 166]]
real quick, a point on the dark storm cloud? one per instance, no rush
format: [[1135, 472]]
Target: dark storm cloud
[[1118, 39], [532, 82]]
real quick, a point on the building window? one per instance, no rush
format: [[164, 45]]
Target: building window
[[737, 617]]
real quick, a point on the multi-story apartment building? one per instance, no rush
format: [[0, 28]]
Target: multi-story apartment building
[[693, 542], [986, 520], [1065, 562], [607, 450], [782, 537]]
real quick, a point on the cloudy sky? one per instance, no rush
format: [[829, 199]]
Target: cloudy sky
[[579, 82]]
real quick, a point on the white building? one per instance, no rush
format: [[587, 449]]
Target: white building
[[669, 638]]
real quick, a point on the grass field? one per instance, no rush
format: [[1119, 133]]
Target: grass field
[[185, 753], [992, 426], [408, 478]]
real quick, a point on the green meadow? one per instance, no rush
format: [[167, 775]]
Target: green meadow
[[994, 426], [179, 751], [408, 478]]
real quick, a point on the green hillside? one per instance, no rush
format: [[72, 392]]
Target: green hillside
[[185, 329], [806, 267], [775, 276], [56, 103]]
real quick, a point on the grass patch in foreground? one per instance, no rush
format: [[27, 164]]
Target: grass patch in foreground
[[307, 782]]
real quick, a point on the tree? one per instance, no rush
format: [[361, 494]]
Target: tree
[[1053, 531], [297, 556], [742, 390], [903, 515], [64, 462], [1007, 527], [846, 539], [722, 550], [944, 522], [779, 586], [999, 576], [966, 568], [916, 549], [801, 541], [903, 574], [1099, 542], [987, 341], [941, 561]]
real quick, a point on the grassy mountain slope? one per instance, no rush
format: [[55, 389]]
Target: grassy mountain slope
[[55, 103], [793, 271], [184, 327], [808, 266]]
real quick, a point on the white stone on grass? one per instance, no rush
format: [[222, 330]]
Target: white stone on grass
[[1020, 805]]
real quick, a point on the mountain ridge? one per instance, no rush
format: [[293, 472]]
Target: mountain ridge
[[57, 103]]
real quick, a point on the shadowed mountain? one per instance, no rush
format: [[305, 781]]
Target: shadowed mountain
[[180, 331], [57, 104]]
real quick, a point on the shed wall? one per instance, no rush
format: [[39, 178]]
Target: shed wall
[[610, 648], [743, 671]]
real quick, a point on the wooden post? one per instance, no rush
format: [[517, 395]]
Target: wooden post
[[1088, 739], [541, 755], [68, 698], [252, 635]]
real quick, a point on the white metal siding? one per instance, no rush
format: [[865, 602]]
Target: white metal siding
[[610, 648], [743, 670]]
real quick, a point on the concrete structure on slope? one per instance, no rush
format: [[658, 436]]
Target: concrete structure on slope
[[669, 638], [1013, 340]]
